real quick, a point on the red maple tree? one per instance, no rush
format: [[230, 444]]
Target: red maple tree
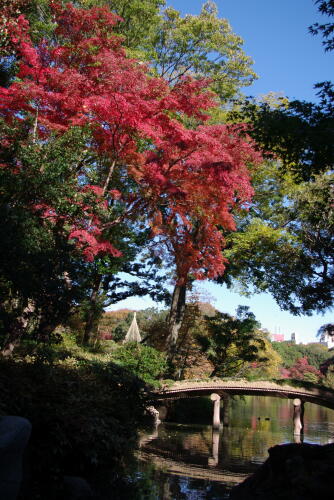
[[302, 370], [187, 180]]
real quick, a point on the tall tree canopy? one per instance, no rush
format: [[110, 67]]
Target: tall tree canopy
[[136, 161], [286, 241], [205, 46]]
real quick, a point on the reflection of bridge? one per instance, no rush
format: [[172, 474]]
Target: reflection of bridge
[[206, 466], [195, 472], [217, 388]]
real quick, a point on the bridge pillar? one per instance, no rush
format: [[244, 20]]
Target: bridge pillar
[[226, 405], [216, 410], [298, 417], [150, 410]]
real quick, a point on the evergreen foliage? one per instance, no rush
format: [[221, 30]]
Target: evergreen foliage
[[143, 361], [231, 342]]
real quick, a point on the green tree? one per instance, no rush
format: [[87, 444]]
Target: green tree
[[141, 21], [38, 269], [289, 352], [317, 354], [297, 133], [204, 46], [231, 342], [284, 244], [143, 361], [328, 379], [268, 367]]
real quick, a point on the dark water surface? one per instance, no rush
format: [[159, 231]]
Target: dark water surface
[[190, 461]]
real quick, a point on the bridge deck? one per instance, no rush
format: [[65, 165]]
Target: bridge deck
[[323, 397]]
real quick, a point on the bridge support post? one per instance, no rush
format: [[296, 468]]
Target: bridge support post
[[216, 410], [226, 405], [150, 410], [298, 417]]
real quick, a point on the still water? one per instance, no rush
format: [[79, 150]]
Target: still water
[[188, 461]]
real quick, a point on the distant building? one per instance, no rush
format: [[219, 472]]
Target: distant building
[[277, 337], [327, 339]]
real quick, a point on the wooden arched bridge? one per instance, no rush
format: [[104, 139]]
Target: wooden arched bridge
[[189, 389], [218, 388]]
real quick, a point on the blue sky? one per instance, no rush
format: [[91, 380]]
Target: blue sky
[[286, 57], [289, 60]]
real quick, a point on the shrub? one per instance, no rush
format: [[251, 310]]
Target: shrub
[[84, 416], [328, 380], [304, 371], [145, 362]]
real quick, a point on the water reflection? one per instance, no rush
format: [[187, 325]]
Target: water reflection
[[194, 452], [213, 460]]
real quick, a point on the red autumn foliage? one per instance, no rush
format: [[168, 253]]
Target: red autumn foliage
[[11, 24], [187, 180], [300, 369], [204, 178]]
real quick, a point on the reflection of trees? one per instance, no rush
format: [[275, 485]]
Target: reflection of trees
[[197, 442], [212, 489], [173, 486]]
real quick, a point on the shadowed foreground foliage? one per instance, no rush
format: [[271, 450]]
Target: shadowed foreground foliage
[[84, 417]]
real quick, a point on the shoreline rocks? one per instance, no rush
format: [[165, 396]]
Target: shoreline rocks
[[292, 472]]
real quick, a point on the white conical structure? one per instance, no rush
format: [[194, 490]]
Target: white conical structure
[[133, 334]]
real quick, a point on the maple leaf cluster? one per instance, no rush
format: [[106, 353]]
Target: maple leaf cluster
[[187, 180], [9, 17]]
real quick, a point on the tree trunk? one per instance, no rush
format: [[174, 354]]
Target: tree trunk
[[13, 339], [92, 315], [91, 321], [175, 318], [17, 329], [46, 328]]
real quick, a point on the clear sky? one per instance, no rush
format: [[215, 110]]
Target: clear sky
[[286, 57], [289, 60]]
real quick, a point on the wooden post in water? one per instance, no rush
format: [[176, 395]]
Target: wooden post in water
[[298, 417], [216, 410], [226, 405]]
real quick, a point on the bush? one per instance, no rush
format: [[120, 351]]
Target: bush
[[145, 362], [304, 371], [328, 371], [84, 416]]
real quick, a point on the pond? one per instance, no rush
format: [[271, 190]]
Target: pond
[[187, 460]]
